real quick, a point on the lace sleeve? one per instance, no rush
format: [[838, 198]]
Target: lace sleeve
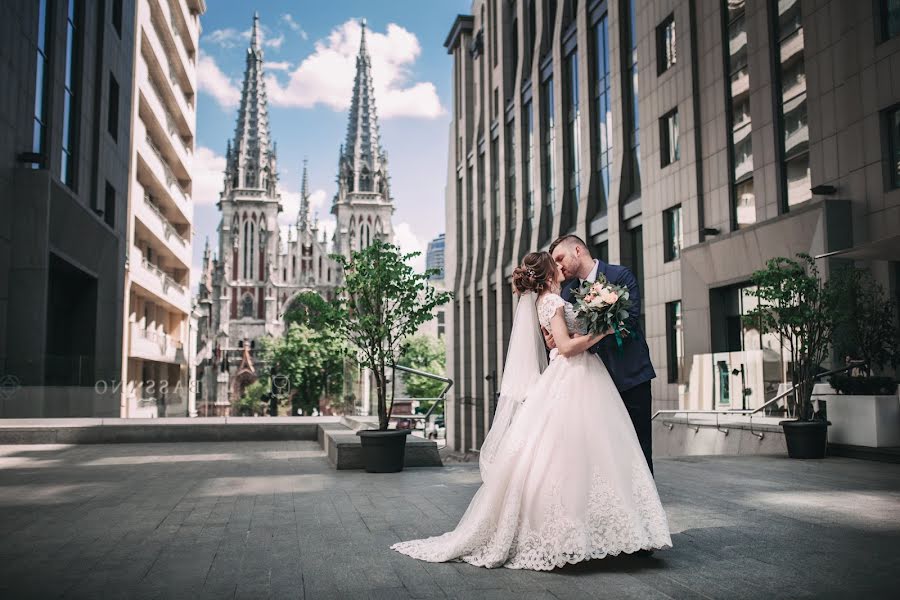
[[547, 307]]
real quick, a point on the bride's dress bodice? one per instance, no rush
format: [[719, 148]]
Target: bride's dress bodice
[[548, 304]]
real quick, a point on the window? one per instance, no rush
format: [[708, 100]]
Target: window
[[495, 187], [573, 145], [247, 306], [117, 16], [635, 261], [791, 90], [601, 251], [743, 200], [633, 162], [511, 215], [549, 127], [892, 123], [109, 206], [673, 233], [529, 162], [482, 203], [112, 123], [890, 18], [674, 340], [669, 147], [665, 45], [70, 107], [41, 85], [603, 110]]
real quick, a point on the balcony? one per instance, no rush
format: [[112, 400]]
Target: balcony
[[160, 67], [158, 283], [151, 216], [166, 25], [168, 136], [159, 179], [150, 344]]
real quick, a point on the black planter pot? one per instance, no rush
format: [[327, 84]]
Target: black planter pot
[[806, 439], [383, 451]]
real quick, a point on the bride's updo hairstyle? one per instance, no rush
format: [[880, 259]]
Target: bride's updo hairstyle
[[535, 274]]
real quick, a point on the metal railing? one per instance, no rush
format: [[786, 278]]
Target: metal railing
[[746, 412], [439, 400]]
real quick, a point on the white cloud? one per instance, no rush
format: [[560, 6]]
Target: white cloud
[[278, 66], [317, 201], [408, 241], [208, 175], [326, 76], [217, 84], [294, 25], [232, 38]]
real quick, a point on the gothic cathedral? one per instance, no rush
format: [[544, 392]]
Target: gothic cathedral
[[261, 267]]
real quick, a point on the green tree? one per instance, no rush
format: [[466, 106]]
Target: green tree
[[796, 304], [307, 363], [867, 327], [253, 402], [310, 309], [424, 353], [383, 301]]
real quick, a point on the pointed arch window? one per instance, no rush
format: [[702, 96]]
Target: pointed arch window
[[365, 181], [247, 306]]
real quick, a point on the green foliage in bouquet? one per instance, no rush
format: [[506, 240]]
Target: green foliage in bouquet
[[601, 306]]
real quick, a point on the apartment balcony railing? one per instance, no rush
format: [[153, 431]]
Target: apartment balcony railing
[[155, 345], [157, 282], [163, 230]]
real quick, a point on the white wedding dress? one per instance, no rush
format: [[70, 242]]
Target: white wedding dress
[[564, 477]]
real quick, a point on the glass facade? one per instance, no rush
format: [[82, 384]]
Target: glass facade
[[603, 110], [669, 145], [631, 92], [740, 142], [549, 127], [892, 121], [673, 233], [890, 18], [792, 95], [573, 144], [666, 51], [40, 83], [70, 127], [674, 341]]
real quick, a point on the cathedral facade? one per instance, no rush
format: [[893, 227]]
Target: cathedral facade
[[261, 266]]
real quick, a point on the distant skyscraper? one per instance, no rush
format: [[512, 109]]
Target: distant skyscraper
[[434, 257]]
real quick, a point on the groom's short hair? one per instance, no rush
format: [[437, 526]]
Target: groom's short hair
[[567, 239]]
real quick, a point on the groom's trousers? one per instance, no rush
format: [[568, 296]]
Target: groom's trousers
[[638, 401]]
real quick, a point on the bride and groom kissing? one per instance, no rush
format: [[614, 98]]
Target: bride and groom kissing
[[566, 467]]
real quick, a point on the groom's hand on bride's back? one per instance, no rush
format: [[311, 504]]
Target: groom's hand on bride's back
[[548, 338]]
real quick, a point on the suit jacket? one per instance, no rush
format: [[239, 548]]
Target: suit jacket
[[632, 365]]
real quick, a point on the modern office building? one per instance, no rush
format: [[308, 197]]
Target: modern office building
[[434, 257], [160, 208], [65, 117], [689, 140]]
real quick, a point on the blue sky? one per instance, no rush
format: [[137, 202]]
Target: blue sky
[[309, 50]]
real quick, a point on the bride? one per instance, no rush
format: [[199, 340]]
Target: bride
[[564, 477]]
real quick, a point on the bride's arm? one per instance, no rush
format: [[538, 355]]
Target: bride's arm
[[567, 344]]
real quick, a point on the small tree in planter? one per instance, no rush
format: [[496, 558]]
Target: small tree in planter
[[866, 330], [797, 305], [383, 301]]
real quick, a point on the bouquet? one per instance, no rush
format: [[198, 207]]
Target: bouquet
[[601, 306]]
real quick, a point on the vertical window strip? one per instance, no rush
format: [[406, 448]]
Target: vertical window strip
[[574, 135], [495, 187], [632, 91], [603, 109], [510, 176], [70, 117], [549, 155], [740, 126], [39, 133], [529, 163]]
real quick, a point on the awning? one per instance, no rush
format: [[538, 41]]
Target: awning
[[887, 248]]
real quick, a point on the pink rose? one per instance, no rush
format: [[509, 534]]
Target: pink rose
[[596, 288], [609, 297], [589, 298]]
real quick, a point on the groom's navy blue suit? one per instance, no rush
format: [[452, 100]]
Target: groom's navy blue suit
[[630, 369]]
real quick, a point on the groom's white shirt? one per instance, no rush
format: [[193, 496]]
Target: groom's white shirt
[[593, 276]]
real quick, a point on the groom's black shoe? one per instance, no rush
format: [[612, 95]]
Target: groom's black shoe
[[644, 553]]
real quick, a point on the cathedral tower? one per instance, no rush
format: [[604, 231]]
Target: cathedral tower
[[363, 205]]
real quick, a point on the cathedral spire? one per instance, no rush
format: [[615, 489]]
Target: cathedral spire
[[251, 162], [303, 214], [362, 159]]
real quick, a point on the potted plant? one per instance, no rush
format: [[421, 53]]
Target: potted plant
[[381, 302], [865, 411], [796, 304]]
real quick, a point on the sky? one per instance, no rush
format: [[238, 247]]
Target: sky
[[309, 60]]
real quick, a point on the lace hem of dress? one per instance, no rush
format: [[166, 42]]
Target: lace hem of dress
[[607, 529]]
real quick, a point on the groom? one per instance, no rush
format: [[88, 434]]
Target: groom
[[630, 368]]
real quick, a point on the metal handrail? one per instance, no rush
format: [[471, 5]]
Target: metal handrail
[[749, 412], [439, 399]]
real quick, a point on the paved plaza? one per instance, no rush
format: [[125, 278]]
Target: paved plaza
[[271, 519]]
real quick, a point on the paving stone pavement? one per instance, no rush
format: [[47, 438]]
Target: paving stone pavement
[[272, 520]]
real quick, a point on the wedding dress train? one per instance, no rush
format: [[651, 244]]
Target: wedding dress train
[[566, 481]]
